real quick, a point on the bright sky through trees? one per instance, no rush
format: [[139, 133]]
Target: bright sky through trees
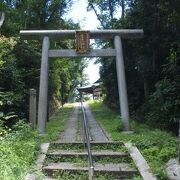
[[78, 13], [88, 21]]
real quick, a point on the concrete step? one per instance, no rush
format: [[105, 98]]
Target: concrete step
[[49, 178], [119, 170], [100, 153], [79, 146], [92, 142]]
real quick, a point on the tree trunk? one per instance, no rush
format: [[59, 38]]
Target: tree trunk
[[154, 61], [123, 9], [146, 89], [111, 13]]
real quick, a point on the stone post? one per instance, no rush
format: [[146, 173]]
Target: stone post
[[43, 90], [32, 108], [123, 99]]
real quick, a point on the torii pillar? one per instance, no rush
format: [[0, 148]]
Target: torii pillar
[[43, 88], [121, 78]]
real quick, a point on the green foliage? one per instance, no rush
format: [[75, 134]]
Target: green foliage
[[18, 150], [11, 81], [166, 95], [156, 146], [146, 83], [65, 75], [20, 59], [32, 14], [106, 11], [69, 175], [7, 117], [9, 74]]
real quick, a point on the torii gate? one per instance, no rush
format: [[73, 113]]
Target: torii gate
[[46, 35]]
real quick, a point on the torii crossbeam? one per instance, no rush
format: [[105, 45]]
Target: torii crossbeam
[[59, 35]]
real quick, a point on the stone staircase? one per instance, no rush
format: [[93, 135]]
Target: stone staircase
[[69, 161], [67, 158]]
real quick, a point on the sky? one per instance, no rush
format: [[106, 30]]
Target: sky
[[79, 13], [88, 21]]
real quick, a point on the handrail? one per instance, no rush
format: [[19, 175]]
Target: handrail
[[88, 144]]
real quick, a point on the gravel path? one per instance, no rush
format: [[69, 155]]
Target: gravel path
[[73, 129], [96, 131], [69, 135]]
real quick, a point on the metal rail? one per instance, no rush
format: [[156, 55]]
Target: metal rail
[[87, 143]]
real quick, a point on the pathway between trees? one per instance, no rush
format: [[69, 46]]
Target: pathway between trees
[[73, 129], [66, 158]]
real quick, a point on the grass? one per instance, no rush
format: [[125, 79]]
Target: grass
[[65, 175], [69, 146], [106, 160], [79, 147], [79, 175], [19, 149], [156, 146], [80, 160]]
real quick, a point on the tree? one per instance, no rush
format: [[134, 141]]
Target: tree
[[20, 63], [32, 14], [106, 11], [144, 58]]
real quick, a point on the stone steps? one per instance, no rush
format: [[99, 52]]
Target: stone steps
[[80, 146], [92, 142], [101, 153], [71, 158], [120, 170], [67, 158]]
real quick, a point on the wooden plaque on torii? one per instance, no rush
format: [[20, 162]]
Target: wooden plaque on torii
[[82, 42]]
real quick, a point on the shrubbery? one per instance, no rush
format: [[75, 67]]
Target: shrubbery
[[163, 106], [18, 149], [7, 118], [17, 152]]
